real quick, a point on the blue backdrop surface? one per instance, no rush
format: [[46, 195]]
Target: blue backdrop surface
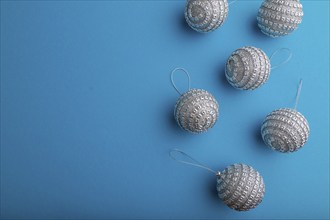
[[87, 112]]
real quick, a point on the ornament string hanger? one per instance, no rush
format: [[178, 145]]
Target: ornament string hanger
[[283, 62], [194, 162], [232, 2], [172, 78], [298, 94]]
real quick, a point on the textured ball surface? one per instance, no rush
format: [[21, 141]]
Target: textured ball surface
[[196, 111], [240, 187], [247, 68], [279, 17], [285, 130], [206, 15]]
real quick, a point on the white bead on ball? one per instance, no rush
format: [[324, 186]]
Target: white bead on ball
[[247, 68], [285, 130], [240, 187], [206, 15], [279, 17], [196, 111]]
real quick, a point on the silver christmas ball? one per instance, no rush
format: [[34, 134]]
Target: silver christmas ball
[[240, 187], [196, 111], [285, 130], [279, 17], [206, 15], [247, 68]]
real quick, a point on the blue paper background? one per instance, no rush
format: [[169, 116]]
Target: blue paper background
[[87, 112]]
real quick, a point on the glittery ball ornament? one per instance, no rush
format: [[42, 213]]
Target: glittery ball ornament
[[285, 130], [196, 111], [279, 17], [247, 68], [206, 15], [240, 187]]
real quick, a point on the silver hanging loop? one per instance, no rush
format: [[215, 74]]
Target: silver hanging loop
[[172, 80], [194, 163]]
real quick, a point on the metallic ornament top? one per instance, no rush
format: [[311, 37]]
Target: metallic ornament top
[[196, 111], [247, 68], [279, 17], [206, 15], [240, 187], [285, 130]]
